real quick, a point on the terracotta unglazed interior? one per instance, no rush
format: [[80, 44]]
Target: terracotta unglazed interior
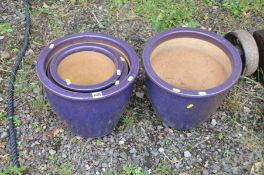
[[191, 63], [86, 68]]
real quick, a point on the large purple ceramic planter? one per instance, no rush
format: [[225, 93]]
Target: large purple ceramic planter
[[92, 114], [182, 108]]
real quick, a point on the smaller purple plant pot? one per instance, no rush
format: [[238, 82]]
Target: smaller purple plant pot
[[121, 78], [91, 114], [182, 108], [110, 53]]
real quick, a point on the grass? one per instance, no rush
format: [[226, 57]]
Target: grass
[[40, 106], [128, 170], [108, 172], [63, 169], [11, 170], [190, 13], [119, 3], [78, 1], [168, 13], [242, 7]]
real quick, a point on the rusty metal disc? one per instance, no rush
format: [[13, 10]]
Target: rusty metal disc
[[259, 37], [247, 48]]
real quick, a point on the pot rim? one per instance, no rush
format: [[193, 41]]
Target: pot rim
[[110, 53], [87, 37], [205, 35]]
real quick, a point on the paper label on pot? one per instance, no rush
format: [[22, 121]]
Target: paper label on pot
[[51, 46], [97, 94], [202, 93], [122, 59]]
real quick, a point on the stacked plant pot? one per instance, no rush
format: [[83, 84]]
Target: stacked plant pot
[[88, 79]]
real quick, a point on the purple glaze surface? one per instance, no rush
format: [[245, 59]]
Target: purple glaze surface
[[186, 109], [110, 53], [88, 114]]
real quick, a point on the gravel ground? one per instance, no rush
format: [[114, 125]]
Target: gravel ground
[[230, 142]]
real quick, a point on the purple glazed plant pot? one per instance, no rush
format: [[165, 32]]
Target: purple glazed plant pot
[[110, 53], [92, 114], [186, 109]]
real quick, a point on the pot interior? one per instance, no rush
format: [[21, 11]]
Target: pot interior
[[86, 68], [191, 63]]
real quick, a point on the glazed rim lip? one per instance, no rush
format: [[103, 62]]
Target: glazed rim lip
[[108, 52], [211, 37], [87, 37]]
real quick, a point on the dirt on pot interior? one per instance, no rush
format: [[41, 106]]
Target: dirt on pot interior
[[86, 68], [191, 63]]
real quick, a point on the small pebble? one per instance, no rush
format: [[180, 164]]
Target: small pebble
[[159, 127], [161, 150], [2, 37], [187, 154], [52, 152], [213, 122], [140, 95], [247, 110], [133, 151], [205, 172], [5, 55], [4, 135], [29, 52], [104, 165], [121, 142], [64, 155]]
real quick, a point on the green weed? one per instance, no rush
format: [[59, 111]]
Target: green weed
[[3, 117], [164, 169], [5, 28], [57, 140], [226, 153], [166, 141], [98, 142], [45, 9], [37, 127], [220, 136], [39, 106], [17, 121], [65, 169], [127, 121], [133, 170]]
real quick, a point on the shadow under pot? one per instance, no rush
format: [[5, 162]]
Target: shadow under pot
[[189, 72], [89, 114], [86, 67]]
